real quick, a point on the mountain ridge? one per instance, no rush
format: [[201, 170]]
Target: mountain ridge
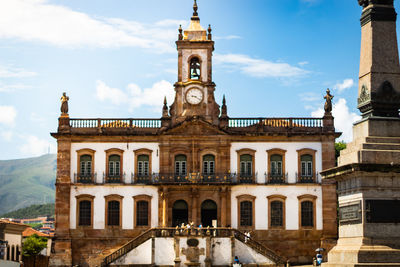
[[27, 181]]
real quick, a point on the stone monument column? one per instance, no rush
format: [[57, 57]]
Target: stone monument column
[[368, 175]]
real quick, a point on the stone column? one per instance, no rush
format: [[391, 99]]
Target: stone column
[[62, 255], [164, 208], [222, 209], [195, 204]]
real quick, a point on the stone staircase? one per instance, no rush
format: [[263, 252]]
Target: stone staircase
[[114, 258]]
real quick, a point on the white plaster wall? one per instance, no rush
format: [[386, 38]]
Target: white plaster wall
[[165, 252], [247, 255], [138, 255], [291, 157], [127, 191], [221, 251], [202, 53], [183, 244], [261, 192], [128, 161]]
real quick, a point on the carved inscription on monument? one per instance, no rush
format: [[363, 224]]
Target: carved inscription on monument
[[350, 214]]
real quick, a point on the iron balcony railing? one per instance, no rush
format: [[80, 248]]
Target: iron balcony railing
[[307, 178], [85, 178], [114, 178], [276, 178], [198, 178]]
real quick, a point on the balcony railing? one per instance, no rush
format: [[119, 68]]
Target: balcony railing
[[274, 178], [85, 178], [307, 179], [113, 178], [115, 123], [190, 178], [276, 122]]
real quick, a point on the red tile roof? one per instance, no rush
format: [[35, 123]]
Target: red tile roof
[[30, 231]]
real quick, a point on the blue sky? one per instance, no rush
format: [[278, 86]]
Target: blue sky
[[118, 59]]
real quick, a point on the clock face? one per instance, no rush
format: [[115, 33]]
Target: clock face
[[194, 96]]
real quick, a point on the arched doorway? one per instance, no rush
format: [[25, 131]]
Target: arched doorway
[[179, 213], [208, 212]]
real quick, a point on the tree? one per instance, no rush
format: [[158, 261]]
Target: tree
[[338, 147], [33, 245]]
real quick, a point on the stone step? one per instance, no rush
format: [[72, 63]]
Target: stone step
[[381, 146], [387, 140], [379, 156]]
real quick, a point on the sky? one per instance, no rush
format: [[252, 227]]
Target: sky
[[117, 59]]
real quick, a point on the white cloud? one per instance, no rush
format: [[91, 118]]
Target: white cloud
[[7, 88], [35, 146], [38, 20], [258, 67], [135, 97], [346, 84], [310, 97], [12, 72], [303, 63], [344, 119], [6, 135], [7, 115], [104, 92]]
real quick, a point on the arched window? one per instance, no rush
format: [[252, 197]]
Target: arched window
[[85, 213], [180, 165], [113, 211], [8, 252], [276, 165], [85, 162], [246, 165], [307, 214], [114, 166], [276, 213], [208, 164], [306, 165], [195, 69], [142, 213], [246, 213], [143, 165]]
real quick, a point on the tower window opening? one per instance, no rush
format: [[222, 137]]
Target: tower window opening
[[195, 69]]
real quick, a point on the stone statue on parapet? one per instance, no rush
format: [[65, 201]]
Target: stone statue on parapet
[[64, 104], [328, 101]]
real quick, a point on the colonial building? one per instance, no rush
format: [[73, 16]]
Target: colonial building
[[117, 178]]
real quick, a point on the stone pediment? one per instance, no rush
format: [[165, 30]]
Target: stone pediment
[[194, 126]]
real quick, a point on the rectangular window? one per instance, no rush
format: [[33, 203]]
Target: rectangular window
[[143, 168], [208, 167], [246, 213], [85, 212], [117, 168], [180, 167], [113, 213], [306, 169], [142, 213], [276, 213]]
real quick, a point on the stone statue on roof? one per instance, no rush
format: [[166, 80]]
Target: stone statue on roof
[[64, 104], [328, 101]]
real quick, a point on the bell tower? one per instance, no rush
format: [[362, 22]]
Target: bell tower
[[194, 90]]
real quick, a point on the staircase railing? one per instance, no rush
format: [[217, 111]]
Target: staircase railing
[[257, 246], [194, 232]]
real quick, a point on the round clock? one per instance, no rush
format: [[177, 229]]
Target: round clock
[[194, 96]]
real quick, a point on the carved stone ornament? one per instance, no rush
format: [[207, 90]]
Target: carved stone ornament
[[328, 101], [193, 253], [385, 102], [364, 95]]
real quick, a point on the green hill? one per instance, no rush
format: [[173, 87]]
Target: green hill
[[32, 211], [24, 182]]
